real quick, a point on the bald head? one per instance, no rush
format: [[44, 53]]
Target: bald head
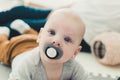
[[68, 15]]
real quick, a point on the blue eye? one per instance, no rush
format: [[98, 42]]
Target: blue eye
[[67, 39], [52, 32]]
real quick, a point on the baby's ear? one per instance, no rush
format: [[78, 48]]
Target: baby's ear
[[39, 35], [77, 51]]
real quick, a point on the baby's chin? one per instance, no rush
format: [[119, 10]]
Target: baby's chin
[[54, 61]]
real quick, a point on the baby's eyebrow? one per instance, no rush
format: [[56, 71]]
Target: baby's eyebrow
[[50, 29], [69, 34]]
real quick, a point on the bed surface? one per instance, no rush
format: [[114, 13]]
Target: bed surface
[[4, 72]]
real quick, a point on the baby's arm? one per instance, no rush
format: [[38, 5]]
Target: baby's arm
[[20, 69], [79, 73]]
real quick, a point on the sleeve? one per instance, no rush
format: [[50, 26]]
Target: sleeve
[[79, 73], [20, 70]]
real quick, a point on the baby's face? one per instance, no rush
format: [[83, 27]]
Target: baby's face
[[63, 33]]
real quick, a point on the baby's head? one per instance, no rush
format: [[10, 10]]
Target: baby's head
[[64, 29], [66, 19]]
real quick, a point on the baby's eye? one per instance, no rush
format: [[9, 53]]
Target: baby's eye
[[67, 39], [52, 32]]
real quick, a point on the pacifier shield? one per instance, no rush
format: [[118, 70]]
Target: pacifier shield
[[52, 51]]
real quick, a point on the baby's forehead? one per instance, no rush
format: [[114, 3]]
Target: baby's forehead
[[64, 15]]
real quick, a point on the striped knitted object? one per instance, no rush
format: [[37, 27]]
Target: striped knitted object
[[19, 25], [4, 30], [106, 48]]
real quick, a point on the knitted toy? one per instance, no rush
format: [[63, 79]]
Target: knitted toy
[[102, 21], [16, 45], [106, 48]]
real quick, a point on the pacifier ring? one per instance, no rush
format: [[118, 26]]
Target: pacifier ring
[[52, 52]]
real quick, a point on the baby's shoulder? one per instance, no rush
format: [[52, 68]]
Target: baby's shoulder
[[73, 64], [29, 57]]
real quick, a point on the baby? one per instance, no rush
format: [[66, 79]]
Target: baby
[[59, 43]]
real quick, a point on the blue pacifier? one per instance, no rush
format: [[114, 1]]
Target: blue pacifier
[[52, 51]]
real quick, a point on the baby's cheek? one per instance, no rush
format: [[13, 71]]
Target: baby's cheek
[[67, 56]]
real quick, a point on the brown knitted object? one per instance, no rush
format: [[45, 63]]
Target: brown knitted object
[[17, 45], [106, 48]]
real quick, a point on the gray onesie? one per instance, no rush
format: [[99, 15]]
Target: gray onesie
[[28, 66]]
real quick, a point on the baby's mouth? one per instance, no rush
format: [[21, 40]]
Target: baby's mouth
[[52, 52]]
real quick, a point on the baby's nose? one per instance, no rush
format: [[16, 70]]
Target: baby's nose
[[56, 43], [57, 40]]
